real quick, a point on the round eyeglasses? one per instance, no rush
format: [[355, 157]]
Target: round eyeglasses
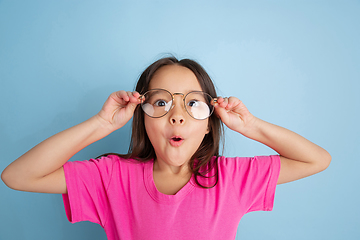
[[157, 103]]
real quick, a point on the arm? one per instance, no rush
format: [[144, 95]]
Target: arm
[[40, 169], [299, 157]]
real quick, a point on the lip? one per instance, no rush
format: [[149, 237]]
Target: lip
[[176, 141]]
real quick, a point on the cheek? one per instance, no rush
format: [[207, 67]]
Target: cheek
[[153, 128], [201, 129], [149, 127]]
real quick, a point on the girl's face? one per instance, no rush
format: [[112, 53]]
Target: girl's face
[[175, 136]]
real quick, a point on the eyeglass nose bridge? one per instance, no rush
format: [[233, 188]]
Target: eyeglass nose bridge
[[173, 100], [174, 94]]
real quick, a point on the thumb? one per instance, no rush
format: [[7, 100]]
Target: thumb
[[132, 104], [221, 112], [131, 107]]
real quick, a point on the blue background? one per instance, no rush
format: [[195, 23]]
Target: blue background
[[293, 63]]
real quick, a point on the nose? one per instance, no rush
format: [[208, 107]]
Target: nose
[[177, 113]]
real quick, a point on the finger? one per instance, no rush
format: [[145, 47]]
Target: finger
[[129, 94], [232, 103], [134, 97], [219, 99], [122, 96], [136, 94], [224, 102], [220, 112], [220, 103]]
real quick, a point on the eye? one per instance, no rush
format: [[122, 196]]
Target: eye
[[193, 103], [160, 103]]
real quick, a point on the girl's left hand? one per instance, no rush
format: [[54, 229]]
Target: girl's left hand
[[234, 114]]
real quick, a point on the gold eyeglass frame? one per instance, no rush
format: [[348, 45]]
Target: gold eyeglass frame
[[213, 100]]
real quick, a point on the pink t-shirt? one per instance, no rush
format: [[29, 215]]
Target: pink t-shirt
[[121, 196]]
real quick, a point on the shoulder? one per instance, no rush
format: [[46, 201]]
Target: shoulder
[[104, 164], [250, 174], [246, 160], [244, 164], [103, 169]]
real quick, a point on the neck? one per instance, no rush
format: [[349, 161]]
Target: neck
[[170, 179], [179, 171]]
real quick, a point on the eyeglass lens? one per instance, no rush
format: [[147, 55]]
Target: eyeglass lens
[[156, 103]]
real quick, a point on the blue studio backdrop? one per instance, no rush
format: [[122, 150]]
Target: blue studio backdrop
[[293, 63]]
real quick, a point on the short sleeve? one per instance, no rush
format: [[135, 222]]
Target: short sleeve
[[255, 180], [87, 183]]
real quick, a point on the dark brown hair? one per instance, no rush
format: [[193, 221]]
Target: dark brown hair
[[205, 158]]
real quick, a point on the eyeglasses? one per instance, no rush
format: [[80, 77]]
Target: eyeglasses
[[157, 103]]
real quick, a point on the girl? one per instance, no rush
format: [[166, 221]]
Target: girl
[[172, 184]]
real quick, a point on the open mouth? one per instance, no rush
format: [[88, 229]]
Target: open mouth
[[176, 141]]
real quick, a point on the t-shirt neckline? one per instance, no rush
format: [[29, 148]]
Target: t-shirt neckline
[[159, 196]]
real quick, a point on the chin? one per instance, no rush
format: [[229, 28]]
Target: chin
[[178, 162]]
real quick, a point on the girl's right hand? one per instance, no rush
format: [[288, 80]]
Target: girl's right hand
[[119, 109]]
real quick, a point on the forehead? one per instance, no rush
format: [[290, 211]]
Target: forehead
[[175, 78]]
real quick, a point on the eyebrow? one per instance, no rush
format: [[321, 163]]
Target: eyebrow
[[177, 93]]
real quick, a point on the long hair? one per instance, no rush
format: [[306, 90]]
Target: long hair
[[205, 158]]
